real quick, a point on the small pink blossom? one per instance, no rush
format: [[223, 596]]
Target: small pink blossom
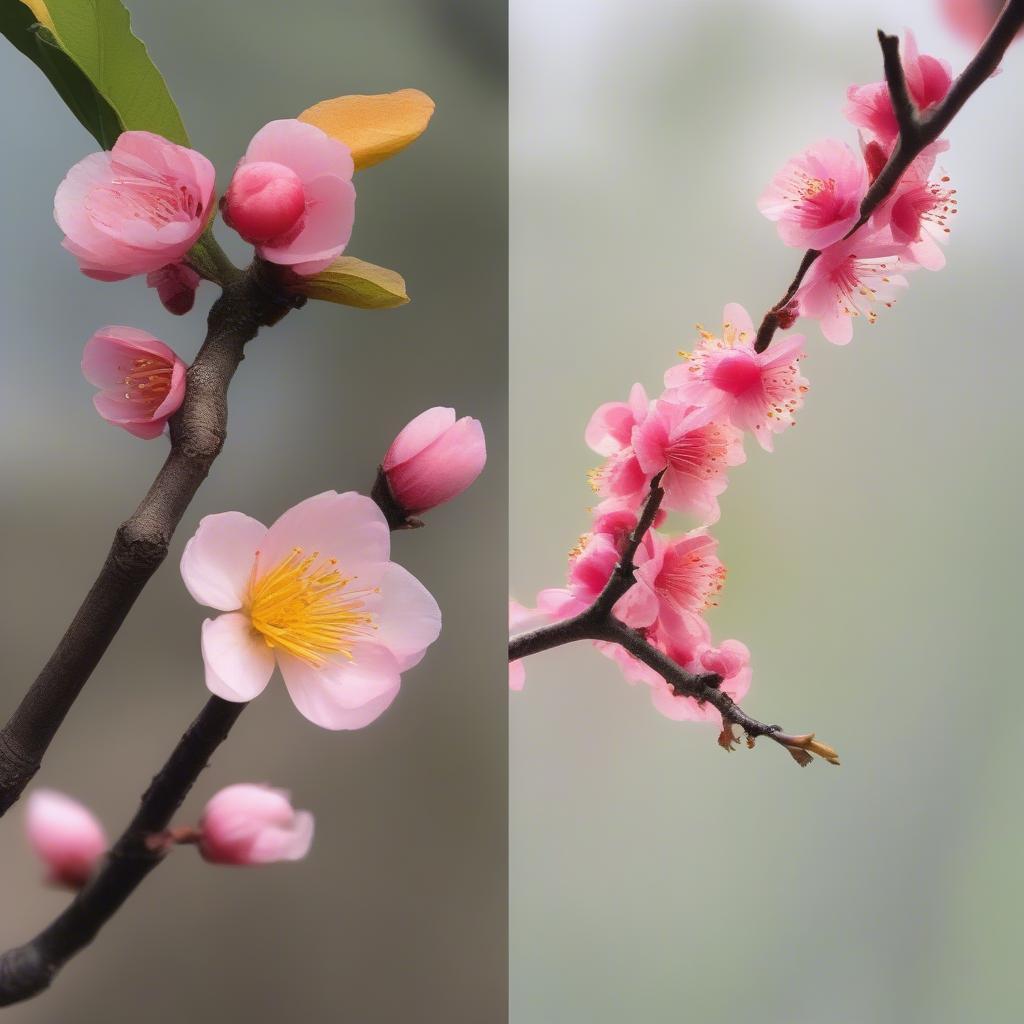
[[919, 212], [248, 824], [176, 286], [434, 458], [141, 380], [870, 106], [815, 198], [731, 661], [318, 595], [849, 279], [694, 453], [610, 429], [136, 208], [618, 518], [756, 391], [65, 836], [292, 196]]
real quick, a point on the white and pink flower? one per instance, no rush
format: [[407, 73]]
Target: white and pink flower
[[292, 196], [316, 594], [134, 209]]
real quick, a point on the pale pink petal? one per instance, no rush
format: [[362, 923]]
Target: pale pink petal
[[406, 616], [218, 560], [238, 661], [417, 434], [343, 694], [306, 149]]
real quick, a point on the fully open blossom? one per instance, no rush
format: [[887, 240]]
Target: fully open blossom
[[815, 198], [756, 391], [693, 451], [919, 211], [434, 458], [65, 836], [316, 593], [677, 580], [731, 661], [176, 286], [870, 106], [250, 824], [850, 279], [141, 380], [292, 196], [136, 208]]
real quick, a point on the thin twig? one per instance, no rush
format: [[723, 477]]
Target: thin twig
[[198, 429], [918, 130]]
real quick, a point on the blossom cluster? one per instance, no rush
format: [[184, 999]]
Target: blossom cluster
[[687, 439]]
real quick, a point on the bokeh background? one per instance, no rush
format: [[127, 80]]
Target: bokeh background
[[399, 913], [875, 558]]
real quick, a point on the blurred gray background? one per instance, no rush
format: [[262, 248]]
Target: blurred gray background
[[875, 558], [399, 914]]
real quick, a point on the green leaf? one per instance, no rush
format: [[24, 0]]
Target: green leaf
[[97, 37], [353, 282], [37, 43]]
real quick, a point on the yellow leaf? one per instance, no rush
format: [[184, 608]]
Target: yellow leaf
[[38, 8], [352, 282], [373, 127]]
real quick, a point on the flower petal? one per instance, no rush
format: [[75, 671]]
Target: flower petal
[[218, 560], [343, 694], [407, 616], [238, 662]]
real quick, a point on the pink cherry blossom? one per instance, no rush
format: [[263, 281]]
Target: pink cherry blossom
[[65, 836], [815, 198], [849, 279], [176, 286], [248, 824], [677, 580], [870, 106], [919, 212], [756, 391], [292, 196], [694, 452], [731, 661], [141, 380], [434, 458], [618, 518], [316, 593], [135, 209], [610, 429]]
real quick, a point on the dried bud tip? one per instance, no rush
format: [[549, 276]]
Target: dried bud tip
[[809, 745], [727, 739]]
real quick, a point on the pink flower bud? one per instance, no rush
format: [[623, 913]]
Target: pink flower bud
[[292, 196], [176, 285], [65, 836], [264, 202], [434, 458], [141, 380], [250, 824], [135, 209]]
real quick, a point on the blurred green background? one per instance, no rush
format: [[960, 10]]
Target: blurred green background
[[874, 559], [400, 911]]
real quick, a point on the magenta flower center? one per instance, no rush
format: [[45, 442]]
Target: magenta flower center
[[306, 607], [265, 202], [736, 373], [690, 580], [699, 453]]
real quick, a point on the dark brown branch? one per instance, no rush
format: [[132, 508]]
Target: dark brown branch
[[26, 970], [917, 131], [599, 623], [249, 300]]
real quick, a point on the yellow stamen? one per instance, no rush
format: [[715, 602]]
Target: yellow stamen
[[304, 606]]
